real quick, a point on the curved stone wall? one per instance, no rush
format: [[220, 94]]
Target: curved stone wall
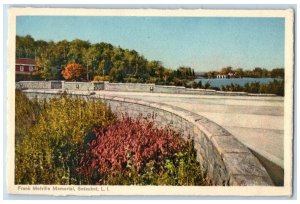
[[225, 160]]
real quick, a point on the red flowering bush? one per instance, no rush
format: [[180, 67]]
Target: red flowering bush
[[134, 151]]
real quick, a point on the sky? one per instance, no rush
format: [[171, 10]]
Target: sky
[[203, 43]]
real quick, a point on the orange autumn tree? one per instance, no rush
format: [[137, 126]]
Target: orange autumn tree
[[73, 71]]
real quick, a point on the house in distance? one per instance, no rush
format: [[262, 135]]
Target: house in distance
[[24, 68]]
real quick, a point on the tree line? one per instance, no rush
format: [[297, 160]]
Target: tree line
[[273, 87], [257, 72], [96, 61]]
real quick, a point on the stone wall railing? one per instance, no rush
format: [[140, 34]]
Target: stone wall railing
[[223, 158], [81, 86], [135, 87], [33, 85], [124, 87]]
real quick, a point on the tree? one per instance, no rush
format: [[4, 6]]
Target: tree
[[60, 51], [89, 58], [239, 72], [76, 50], [25, 47], [257, 72], [277, 73], [226, 70], [74, 71], [43, 67], [212, 74], [117, 71], [105, 64]]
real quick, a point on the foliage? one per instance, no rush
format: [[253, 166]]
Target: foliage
[[257, 72], [74, 71], [185, 73], [49, 151], [25, 47], [26, 115], [122, 65], [274, 87], [102, 78], [43, 67], [100, 59], [135, 152], [200, 85]]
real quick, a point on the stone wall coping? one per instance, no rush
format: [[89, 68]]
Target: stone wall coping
[[140, 84], [97, 82], [242, 166], [165, 86], [232, 92], [179, 87], [204, 90], [252, 94], [77, 82]]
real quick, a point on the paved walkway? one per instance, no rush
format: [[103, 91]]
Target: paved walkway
[[255, 121]]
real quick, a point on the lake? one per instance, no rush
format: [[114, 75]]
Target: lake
[[240, 81]]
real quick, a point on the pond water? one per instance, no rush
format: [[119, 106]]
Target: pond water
[[240, 81]]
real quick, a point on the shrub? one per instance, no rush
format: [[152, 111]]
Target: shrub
[[74, 71], [102, 78], [136, 152], [49, 152], [194, 85], [273, 87], [26, 115], [130, 80]]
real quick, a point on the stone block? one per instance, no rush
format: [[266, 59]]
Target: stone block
[[143, 103], [244, 164], [129, 100], [107, 98], [246, 180], [211, 129], [220, 176], [228, 145], [202, 120], [208, 148], [118, 99]]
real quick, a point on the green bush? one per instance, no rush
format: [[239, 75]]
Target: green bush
[[50, 149], [27, 112]]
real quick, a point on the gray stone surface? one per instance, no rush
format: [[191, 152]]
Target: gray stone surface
[[244, 180], [82, 86], [228, 145], [243, 164], [33, 85]]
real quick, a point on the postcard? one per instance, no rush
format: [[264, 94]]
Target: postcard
[[150, 102]]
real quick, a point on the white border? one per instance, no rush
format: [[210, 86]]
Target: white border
[[159, 190]]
